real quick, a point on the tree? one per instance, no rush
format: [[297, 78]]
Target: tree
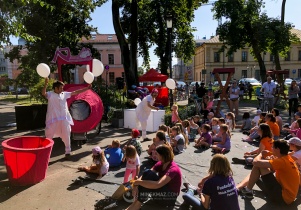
[[150, 16], [247, 27], [61, 23]]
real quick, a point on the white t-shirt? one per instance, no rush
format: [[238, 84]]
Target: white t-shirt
[[298, 161], [268, 89], [131, 163], [104, 168], [180, 143], [256, 120]]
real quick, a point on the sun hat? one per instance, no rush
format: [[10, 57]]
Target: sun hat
[[295, 140], [96, 150], [135, 133], [258, 111]]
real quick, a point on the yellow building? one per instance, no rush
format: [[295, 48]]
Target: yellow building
[[207, 58]]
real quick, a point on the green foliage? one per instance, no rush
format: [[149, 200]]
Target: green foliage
[[114, 114], [184, 113], [35, 91]]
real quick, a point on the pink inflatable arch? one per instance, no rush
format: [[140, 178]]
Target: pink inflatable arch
[[95, 104]]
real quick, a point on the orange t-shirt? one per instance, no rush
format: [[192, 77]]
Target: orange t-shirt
[[267, 142], [274, 128], [287, 175]]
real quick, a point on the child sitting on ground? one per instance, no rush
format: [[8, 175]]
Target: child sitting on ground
[[132, 163], [205, 139], [214, 127], [230, 120], [114, 154], [255, 121], [134, 141], [218, 136], [177, 140], [192, 129], [100, 164], [225, 144], [209, 117], [186, 124], [246, 124], [165, 129], [158, 140], [183, 133], [197, 120]]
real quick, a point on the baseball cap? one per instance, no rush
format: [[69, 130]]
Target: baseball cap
[[135, 133], [295, 140], [96, 150], [258, 111], [298, 114]]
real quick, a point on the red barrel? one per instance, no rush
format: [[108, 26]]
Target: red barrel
[[26, 159]]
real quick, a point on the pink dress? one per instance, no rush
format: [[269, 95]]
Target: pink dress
[[174, 117]]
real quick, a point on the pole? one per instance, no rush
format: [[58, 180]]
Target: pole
[[170, 65]]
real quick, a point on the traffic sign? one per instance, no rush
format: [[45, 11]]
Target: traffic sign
[[107, 67], [294, 71]]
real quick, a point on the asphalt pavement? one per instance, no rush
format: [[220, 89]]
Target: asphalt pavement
[[57, 191]]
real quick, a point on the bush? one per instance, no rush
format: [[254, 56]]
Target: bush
[[35, 91], [114, 113], [184, 113]]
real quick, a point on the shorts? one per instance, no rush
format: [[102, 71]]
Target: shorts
[[273, 188]]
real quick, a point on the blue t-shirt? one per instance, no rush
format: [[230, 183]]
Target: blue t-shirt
[[114, 156], [222, 192]]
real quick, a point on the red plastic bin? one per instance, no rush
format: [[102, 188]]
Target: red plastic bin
[[26, 159]]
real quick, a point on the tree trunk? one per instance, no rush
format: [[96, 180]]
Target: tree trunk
[[261, 65], [276, 56], [131, 76], [134, 38]]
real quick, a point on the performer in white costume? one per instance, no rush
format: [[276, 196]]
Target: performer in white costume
[[143, 110], [58, 118]]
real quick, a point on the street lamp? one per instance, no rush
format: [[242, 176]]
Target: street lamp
[[169, 30]]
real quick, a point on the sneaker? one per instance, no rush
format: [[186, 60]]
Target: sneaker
[[246, 193]]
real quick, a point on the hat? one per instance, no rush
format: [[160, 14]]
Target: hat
[[211, 113], [295, 140], [135, 133], [298, 114], [96, 150], [258, 111], [155, 90]]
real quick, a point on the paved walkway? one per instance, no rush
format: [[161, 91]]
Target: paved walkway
[[56, 191]]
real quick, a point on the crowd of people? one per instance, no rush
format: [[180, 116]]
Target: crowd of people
[[217, 190]]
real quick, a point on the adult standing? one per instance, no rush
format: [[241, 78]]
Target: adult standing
[[162, 182], [293, 97], [269, 89], [143, 110], [234, 96], [58, 118], [201, 91]]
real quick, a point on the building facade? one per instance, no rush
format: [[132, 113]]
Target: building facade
[[207, 57]]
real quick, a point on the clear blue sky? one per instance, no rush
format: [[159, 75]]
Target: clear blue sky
[[204, 22]]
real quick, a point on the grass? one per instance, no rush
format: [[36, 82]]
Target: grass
[[21, 100]]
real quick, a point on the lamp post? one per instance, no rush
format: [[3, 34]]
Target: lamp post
[[169, 30]]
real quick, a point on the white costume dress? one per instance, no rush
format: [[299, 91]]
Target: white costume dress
[[58, 118], [143, 111]]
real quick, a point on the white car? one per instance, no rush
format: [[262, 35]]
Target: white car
[[288, 81], [252, 81]]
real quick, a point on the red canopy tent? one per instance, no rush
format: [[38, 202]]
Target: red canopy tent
[[153, 75]]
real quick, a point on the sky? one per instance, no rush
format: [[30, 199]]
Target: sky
[[203, 22]]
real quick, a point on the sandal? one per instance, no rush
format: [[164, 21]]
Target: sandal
[[81, 168]]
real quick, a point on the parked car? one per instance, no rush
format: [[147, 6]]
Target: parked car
[[252, 81], [192, 85], [288, 81], [216, 84], [180, 84]]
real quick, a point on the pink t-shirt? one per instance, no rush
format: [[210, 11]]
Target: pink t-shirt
[[174, 116], [174, 172]]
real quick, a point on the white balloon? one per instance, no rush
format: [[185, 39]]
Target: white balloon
[[97, 67], [170, 83], [88, 77], [137, 101], [43, 70]]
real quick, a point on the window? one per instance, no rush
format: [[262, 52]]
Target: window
[[111, 59], [288, 56], [110, 37], [216, 57], [299, 73], [244, 73], [231, 58], [122, 74], [244, 56], [299, 55], [111, 77], [2, 69], [272, 58]]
